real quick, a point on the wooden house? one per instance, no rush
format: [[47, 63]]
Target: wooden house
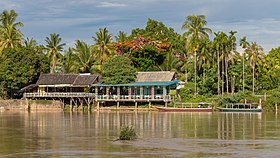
[[86, 88]]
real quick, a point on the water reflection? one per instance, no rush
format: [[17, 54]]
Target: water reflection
[[80, 134]]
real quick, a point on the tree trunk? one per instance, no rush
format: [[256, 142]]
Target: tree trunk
[[195, 74], [223, 76], [226, 69], [218, 72], [102, 54], [243, 67], [253, 90], [53, 63], [232, 84]]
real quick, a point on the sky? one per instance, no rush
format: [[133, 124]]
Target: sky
[[258, 20]]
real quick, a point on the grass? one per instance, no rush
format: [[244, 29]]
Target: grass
[[127, 133]]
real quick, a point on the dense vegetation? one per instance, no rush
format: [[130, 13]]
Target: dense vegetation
[[210, 67]]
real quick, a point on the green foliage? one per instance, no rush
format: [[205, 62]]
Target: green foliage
[[54, 46], [273, 98], [127, 133], [218, 68], [146, 59], [20, 67], [117, 70], [237, 98], [187, 94]]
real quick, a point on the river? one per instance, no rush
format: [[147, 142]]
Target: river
[[160, 134]]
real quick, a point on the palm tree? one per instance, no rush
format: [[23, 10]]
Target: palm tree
[[170, 63], [254, 52], [121, 37], [53, 47], [84, 55], [102, 44], [196, 30], [243, 43], [219, 44], [69, 61], [229, 54], [30, 43], [10, 36], [204, 57]]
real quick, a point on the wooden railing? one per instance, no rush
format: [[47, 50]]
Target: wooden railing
[[100, 97], [56, 94]]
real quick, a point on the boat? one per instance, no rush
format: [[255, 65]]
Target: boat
[[241, 107], [200, 107]]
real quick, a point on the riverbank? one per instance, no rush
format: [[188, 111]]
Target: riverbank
[[53, 105], [34, 105]]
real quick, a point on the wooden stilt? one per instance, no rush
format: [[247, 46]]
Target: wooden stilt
[[118, 105], [136, 105], [71, 106], [26, 107], [98, 106]]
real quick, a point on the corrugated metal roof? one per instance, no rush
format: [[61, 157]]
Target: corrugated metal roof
[[155, 76], [139, 84], [71, 79]]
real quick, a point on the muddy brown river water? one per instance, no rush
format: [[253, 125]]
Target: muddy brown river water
[[160, 134]]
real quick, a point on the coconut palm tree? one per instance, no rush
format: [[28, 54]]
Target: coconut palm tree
[[171, 63], [30, 43], [243, 43], [54, 46], [219, 45], [69, 62], [10, 35], [84, 55], [102, 43], [229, 55], [121, 37], [195, 31], [254, 52]]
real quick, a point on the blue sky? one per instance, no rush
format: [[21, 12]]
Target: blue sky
[[259, 21]]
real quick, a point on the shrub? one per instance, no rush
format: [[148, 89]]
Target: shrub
[[127, 133]]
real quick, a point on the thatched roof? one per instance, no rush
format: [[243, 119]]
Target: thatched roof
[[69, 79], [155, 76]]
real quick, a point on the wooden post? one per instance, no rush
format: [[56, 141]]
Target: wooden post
[[98, 106], [149, 105], [26, 107], [153, 92], [88, 104], [118, 105], [107, 92], [141, 92], [166, 104], [82, 104], [118, 92], [71, 106], [164, 93], [129, 92], [136, 105], [96, 93]]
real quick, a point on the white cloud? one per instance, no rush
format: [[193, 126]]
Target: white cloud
[[8, 5], [111, 5]]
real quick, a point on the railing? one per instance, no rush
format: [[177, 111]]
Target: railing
[[134, 97], [101, 97], [56, 94]]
